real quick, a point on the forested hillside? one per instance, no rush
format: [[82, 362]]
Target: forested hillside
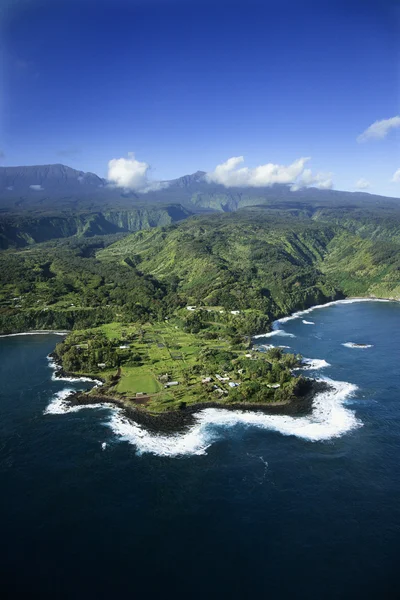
[[19, 230], [263, 263]]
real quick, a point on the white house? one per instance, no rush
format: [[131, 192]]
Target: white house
[[226, 378]]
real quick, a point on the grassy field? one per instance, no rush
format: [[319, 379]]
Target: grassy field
[[132, 382], [152, 351]]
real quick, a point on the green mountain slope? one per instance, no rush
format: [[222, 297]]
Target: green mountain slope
[[22, 230], [263, 263], [271, 261], [240, 261]]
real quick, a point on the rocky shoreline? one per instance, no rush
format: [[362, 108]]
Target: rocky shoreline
[[176, 420]]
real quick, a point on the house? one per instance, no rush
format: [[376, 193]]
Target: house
[[171, 383], [226, 378]]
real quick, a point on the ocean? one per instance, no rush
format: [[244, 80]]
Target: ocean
[[240, 504]]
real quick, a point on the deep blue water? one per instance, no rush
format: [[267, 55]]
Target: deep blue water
[[258, 512]]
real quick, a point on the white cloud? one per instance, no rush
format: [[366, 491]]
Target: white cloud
[[230, 175], [379, 129], [396, 176], [362, 184], [322, 181], [131, 174], [35, 187]]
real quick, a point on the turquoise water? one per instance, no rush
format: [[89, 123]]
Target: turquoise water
[[93, 506]]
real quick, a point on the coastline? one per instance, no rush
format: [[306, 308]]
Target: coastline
[[176, 420], [36, 332], [173, 421], [300, 313]]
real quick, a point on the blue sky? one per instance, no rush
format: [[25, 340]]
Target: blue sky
[[186, 85]]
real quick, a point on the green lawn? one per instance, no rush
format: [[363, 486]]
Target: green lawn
[[132, 382]]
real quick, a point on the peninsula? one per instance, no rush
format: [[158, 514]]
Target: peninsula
[[165, 366]]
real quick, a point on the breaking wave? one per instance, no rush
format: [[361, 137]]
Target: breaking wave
[[329, 418], [359, 346], [55, 377], [59, 404], [314, 364], [307, 311], [279, 332], [276, 330], [40, 332]]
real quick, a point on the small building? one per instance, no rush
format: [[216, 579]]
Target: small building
[[171, 383], [233, 384], [226, 378], [191, 308], [248, 355], [206, 380], [124, 347], [273, 385], [235, 312], [101, 365]]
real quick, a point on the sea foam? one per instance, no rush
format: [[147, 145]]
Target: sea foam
[[314, 364], [307, 311], [279, 332], [40, 332], [55, 377], [354, 345], [329, 418], [59, 404], [276, 325]]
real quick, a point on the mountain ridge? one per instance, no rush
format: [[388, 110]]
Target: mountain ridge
[[58, 186]]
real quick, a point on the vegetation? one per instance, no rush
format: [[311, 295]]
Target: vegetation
[[139, 362], [181, 302]]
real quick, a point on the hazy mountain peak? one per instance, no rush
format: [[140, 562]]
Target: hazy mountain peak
[[188, 180]]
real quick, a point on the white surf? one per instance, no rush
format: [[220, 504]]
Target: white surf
[[329, 418], [358, 346]]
